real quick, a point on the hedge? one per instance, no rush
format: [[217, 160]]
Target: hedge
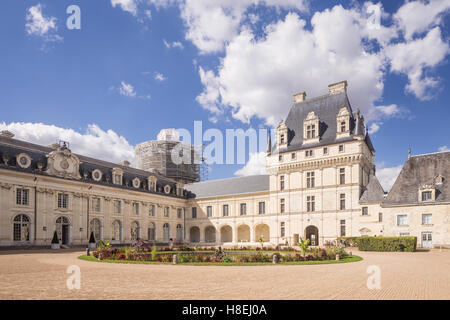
[[383, 243]]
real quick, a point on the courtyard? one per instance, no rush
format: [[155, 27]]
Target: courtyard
[[41, 274]]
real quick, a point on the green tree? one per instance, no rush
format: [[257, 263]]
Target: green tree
[[304, 245]]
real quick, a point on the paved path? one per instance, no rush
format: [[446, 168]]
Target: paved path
[[42, 275]]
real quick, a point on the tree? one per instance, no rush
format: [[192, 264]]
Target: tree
[[304, 245], [55, 239]]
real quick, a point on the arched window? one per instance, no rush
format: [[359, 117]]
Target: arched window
[[179, 232], [135, 230], [166, 232], [151, 232], [21, 230], [96, 227], [117, 231]]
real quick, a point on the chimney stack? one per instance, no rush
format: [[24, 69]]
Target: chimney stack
[[125, 163], [337, 87], [299, 97], [7, 134]]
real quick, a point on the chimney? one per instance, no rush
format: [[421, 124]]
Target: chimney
[[125, 163], [337, 87], [299, 97], [7, 134]]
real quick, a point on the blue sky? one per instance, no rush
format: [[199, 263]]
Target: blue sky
[[138, 66]]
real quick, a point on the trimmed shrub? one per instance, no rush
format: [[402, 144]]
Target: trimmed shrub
[[387, 243]]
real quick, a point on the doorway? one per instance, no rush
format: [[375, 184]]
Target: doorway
[[312, 233], [62, 229], [427, 240]]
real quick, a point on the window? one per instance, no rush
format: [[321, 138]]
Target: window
[[280, 158], [343, 126], [426, 219], [135, 230], [281, 182], [209, 211], [243, 209], [96, 205], [117, 206], [166, 212], [310, 180], [310, 203], [117, 231], [342, 176], [380, 216], [179, 213], [151, 232], [325, 150], [282, 229], [282, 139], [342, 228], [341, 148], [21, 228], [342, 201], [22, 197], [151, 210], [426, 195], [293, 155], [309, 153], [261, 208], [117, 178], [281, 205], [95, 226], [194, 213], [402, 220], [63, 201], [311, 131], [365, 211], [225, 210], [136, 208]]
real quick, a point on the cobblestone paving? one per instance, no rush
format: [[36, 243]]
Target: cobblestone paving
[[42, 275]]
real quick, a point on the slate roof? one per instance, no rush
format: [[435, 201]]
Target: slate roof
[[326, 107], [229, 186], [418, 171], [374, 191], [13, 147]]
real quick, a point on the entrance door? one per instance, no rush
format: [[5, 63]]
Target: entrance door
[[427, 240], [312, 233], [62, 228], [65, 234]]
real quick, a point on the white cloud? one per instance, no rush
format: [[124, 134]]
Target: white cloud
[[417, 16], [126, 5], [374, 127], [174, 44], [387, 176], [444, 149], [256, 165], [210, 96], [39, 25], [95, 143], [414, 57], [160, 77], [127, 90]]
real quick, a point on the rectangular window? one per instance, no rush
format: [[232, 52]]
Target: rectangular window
[[243, 209], [282, 139], [280, 158], [281, 182], [309, 153], [342, 176], [341, 148], [281, 205], [310, 179], [293, 155], [136, 208], [310, 203], [194, 213], [22, 197], [426, 219], [342, 228], [96, 204], [426, 195], [166, 211], [380, 216], [117, 179], [282, 229], [343, 126], [63, 201], [402, 220], [117, 206], [225, 210], [179, 213], [365, 211], [342, 201], [152, 211], [209, 211], [325, 150], [262, 208]]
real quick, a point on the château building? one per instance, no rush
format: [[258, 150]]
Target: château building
[[320, 185]]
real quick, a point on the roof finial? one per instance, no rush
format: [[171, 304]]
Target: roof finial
[[409, 153]]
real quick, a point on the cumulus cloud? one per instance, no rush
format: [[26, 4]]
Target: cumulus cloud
[[127, 90], [174, 44], [126, 5], [256, 165], [95, 142], [387, 175], [160, 77], [374, 127], [444, 149], [39, 25]]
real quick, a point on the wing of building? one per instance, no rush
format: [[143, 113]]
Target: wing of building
[[320, 185]]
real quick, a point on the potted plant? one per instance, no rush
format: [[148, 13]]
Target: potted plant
[[92, 244], [55, 241]]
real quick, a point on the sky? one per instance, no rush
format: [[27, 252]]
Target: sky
[[107, 75]]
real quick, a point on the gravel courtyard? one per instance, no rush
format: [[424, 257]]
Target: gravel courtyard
[[42, 275]]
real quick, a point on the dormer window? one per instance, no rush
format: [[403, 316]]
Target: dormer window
[[343, 123], [343, 126], [311, 128], [117, 176], [311, 131], [152, 183], [282, 139], [282, 133], [427, 193]]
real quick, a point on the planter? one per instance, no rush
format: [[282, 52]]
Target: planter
[[55, 246], [92, 245]]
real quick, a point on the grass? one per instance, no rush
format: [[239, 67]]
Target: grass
[[352, 258]]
